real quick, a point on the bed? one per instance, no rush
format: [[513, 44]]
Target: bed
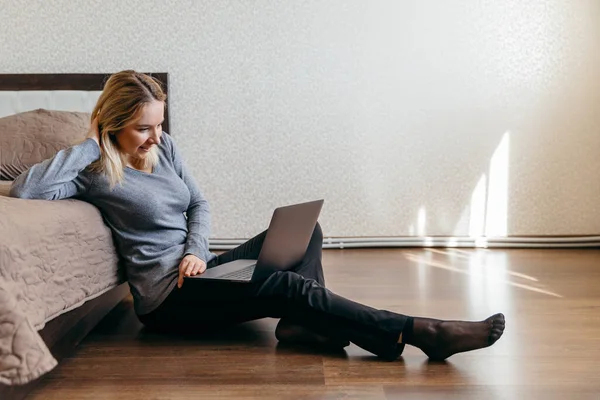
[[59, 272]]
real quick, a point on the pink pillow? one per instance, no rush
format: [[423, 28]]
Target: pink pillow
[[30, 137]]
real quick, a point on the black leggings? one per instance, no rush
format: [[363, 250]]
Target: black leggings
[[298, 295]]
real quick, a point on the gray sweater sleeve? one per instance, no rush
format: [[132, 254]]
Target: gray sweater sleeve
[[57, 177], [198, 212]]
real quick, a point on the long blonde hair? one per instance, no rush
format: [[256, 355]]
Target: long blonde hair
[[123, 97]]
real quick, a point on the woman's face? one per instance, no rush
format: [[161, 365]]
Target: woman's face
[[137, 139]]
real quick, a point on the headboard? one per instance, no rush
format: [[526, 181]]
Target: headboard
[[66, 92]]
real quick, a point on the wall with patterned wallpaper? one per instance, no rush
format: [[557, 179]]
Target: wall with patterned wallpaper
[[419, 117]]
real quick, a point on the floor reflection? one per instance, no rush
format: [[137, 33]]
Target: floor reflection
[[491, 268]]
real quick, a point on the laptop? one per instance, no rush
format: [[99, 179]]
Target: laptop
[[285, 244]]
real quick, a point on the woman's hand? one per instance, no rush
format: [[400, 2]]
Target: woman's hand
[[190, 266], [94, 132]]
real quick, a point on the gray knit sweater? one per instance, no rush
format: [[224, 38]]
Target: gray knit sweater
[[145, 213]]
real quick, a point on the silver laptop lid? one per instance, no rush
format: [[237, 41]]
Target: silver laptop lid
[[288, 236]]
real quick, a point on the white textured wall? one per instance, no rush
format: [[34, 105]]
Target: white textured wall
[[408, 117]]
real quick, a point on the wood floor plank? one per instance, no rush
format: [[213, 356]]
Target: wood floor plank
[[488, 393], [551, 346], [141, 390]]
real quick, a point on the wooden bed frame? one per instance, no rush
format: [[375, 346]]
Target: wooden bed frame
[[65, 332], [85, 82]]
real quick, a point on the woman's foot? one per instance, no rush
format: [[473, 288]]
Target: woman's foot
[[288, 332], [440, 339]]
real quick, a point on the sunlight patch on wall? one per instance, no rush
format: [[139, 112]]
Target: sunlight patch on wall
[[496, 217], [477, 220], [422, 216], [487, 213]]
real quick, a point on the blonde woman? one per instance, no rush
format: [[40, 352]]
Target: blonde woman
[[133, 173]]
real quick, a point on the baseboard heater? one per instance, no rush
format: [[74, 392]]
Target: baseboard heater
[[533, 242]]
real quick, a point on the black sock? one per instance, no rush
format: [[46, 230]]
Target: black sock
[[407, 332]]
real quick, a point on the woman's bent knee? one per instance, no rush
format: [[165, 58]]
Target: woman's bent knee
[[318, 232]]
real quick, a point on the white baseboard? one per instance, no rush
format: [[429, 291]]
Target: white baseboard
[[532, 242]]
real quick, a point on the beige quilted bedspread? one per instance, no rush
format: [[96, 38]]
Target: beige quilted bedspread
[[54, 256]]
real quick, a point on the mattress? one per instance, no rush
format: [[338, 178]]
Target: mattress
[[54, 256]]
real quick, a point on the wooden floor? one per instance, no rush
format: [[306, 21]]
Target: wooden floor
[[550, 349]]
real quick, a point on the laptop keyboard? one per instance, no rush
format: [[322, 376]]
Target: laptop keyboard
[[242, 274]]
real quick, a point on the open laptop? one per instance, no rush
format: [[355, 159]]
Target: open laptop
[[285, 244]]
